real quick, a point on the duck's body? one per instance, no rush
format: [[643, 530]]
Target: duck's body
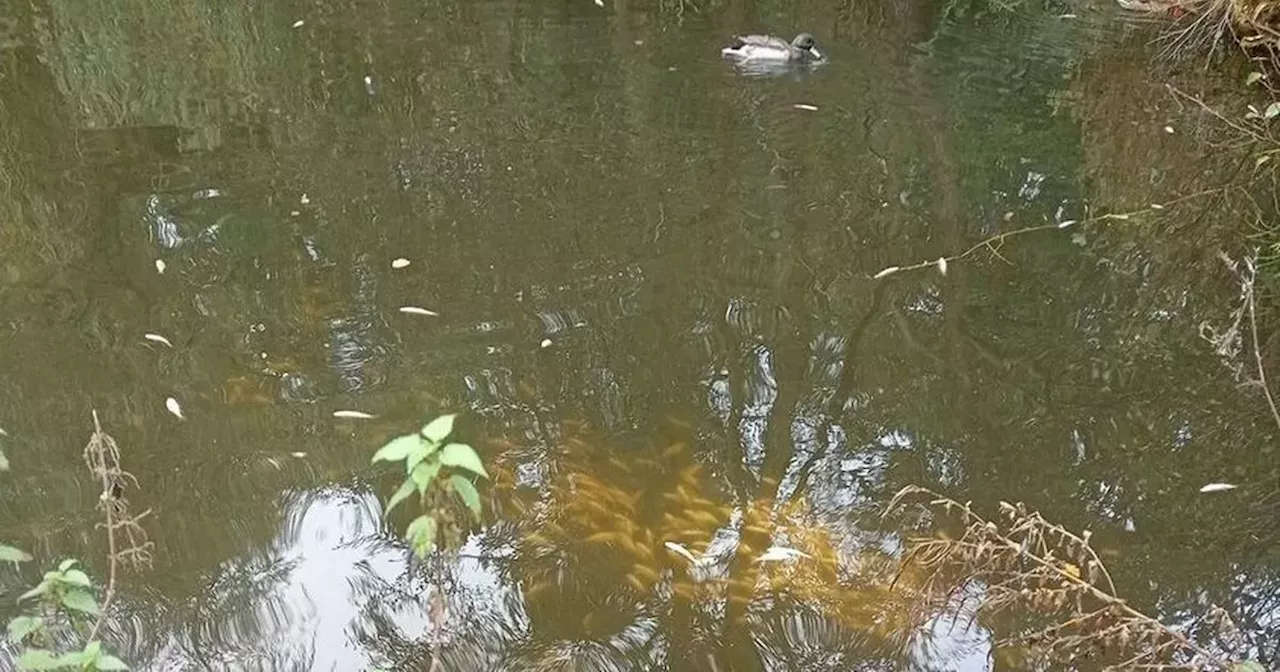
[[768, 48]]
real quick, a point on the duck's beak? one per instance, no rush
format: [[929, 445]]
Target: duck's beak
[[817, 55]]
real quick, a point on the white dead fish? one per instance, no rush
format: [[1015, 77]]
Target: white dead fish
[[546, 343], [805, 106], [414, 310], [304, 200], [1218, 487], [399, 263], [298, 454], [299, 23], [680, 550], [776, 553], [888, 271], [357, 415], [942, 265], [158, 339], [160, 266], [172, 404]]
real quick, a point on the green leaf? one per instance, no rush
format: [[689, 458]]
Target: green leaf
[[419, 454], [91, 651], [4, 462], [1248, 666], [22, 626], [11, 554], [42, 659], [467, 491], [66, 564], [1272, 110], [405, 490], [423, 474], [39, 659], [76, 577], [421, 534], [110, 663], [398, 448], [42, 589], [1253, 78], [439, 429], [462, 456], [80, 600]]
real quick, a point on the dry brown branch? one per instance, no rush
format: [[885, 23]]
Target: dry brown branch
[[1054, 584], [102, 457], [990, 243], [1229, 342]]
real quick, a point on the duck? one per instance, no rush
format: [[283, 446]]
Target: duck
[[803, 49]]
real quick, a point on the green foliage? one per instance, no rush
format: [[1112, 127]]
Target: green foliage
[[425, 454], [66, 587], [89, 658], [63, 599]]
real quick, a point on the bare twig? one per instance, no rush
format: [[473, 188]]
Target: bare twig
[[102, 457], [1040, 567], [1250, 264], [991, 242], [1229, 342], [1240, 128]]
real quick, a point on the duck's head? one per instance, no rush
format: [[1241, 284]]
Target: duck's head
[[805, 42]]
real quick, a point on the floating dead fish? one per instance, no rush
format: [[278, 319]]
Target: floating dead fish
[[414, 310], [304, 200], [805, 106], [298, 454], [886, 272], [1218, 487], [158, 339], [942, 265], [299, 23], [172, 404], [776, 553], [357, 415], [399, 263], [160, 266], [546, 343], [679, 549]]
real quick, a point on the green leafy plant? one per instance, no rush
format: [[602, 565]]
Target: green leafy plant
[[64, 606], [433, 468]]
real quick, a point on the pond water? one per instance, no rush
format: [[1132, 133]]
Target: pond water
[[649, 279]]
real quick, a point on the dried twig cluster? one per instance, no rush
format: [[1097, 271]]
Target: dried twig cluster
[[1048, 586], [1230, 342], [127, 542]]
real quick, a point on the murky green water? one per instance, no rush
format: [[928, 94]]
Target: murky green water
[[652, 281]]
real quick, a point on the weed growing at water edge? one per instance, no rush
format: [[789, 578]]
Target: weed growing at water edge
[[64, 606], [1054, 590], [425, 455]]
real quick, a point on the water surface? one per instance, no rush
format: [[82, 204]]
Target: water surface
[[653, 279]]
